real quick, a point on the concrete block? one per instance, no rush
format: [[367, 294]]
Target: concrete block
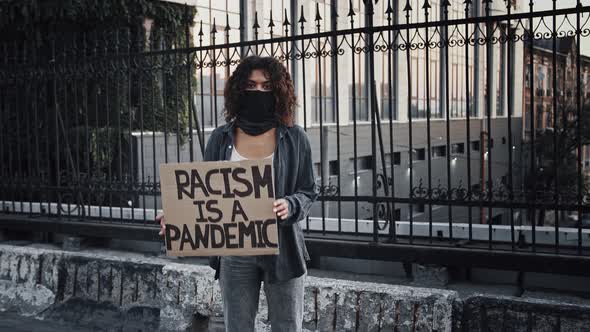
[[389, 314], [545, 323], [49, 270], [105, 283], [568, 324], [325, 307], [25, 299], [370, 311], [345, 310], [128, 292]]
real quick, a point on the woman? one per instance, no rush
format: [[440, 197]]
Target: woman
[[259, 110]]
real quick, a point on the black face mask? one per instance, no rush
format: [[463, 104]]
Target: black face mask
[[256, 114]]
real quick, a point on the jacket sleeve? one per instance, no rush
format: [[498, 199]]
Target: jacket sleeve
[[212, 148], [306, 192], [212, 154]]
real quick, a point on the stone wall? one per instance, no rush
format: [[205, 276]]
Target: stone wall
[[134, 291]]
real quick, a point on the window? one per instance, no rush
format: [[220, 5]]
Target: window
[[210, 102], [502, 69], [527, 119], [458, 148], [322, 105], [387, 101], [397, 214], [363, 163], [397, 158], [333, 168], [322, 102], [539, 117], [439, 151], [475, 146], [358, 102], [418, 154], [540, 78], [461, 69], [425, 71], [418, 208], [549, 81]]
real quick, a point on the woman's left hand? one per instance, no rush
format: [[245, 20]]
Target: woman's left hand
[[281, 208]]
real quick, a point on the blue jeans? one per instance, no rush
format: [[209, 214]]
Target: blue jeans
[[240, 278]]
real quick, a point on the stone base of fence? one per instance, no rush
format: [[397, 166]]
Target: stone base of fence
[[135, 291]]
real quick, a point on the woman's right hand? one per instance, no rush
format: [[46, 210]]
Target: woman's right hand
[[160, 218]]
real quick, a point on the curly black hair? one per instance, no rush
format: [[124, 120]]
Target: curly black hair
[[280, 80]]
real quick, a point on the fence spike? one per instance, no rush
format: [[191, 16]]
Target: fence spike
[[350, 9], [214, 29], [302, 17], [389, 9], [227, 27], [318, 17], [201, 28], [286, 19], [256, 25], [426, 5], [408, 7], [271, 24]]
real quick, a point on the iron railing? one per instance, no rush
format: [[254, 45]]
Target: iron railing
[[425, 144]]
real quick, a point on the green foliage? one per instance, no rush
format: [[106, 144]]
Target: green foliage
[[27, 13], [92, 100]]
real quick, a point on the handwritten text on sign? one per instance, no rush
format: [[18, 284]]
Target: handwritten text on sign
[[219, 208]]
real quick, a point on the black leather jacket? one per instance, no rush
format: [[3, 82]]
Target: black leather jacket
[[294, 181]]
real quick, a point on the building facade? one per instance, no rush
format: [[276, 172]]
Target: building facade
[[552, 88]]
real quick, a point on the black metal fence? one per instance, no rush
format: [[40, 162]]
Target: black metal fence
[[431, 140]]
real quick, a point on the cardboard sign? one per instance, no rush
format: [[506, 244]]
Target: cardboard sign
[[219, 208]]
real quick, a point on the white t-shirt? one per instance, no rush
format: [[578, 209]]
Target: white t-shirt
[[236, 156]]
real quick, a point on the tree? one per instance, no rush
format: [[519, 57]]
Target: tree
[[556, 157], [74, 88]]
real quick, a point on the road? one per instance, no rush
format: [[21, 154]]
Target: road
[[11, 322]]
